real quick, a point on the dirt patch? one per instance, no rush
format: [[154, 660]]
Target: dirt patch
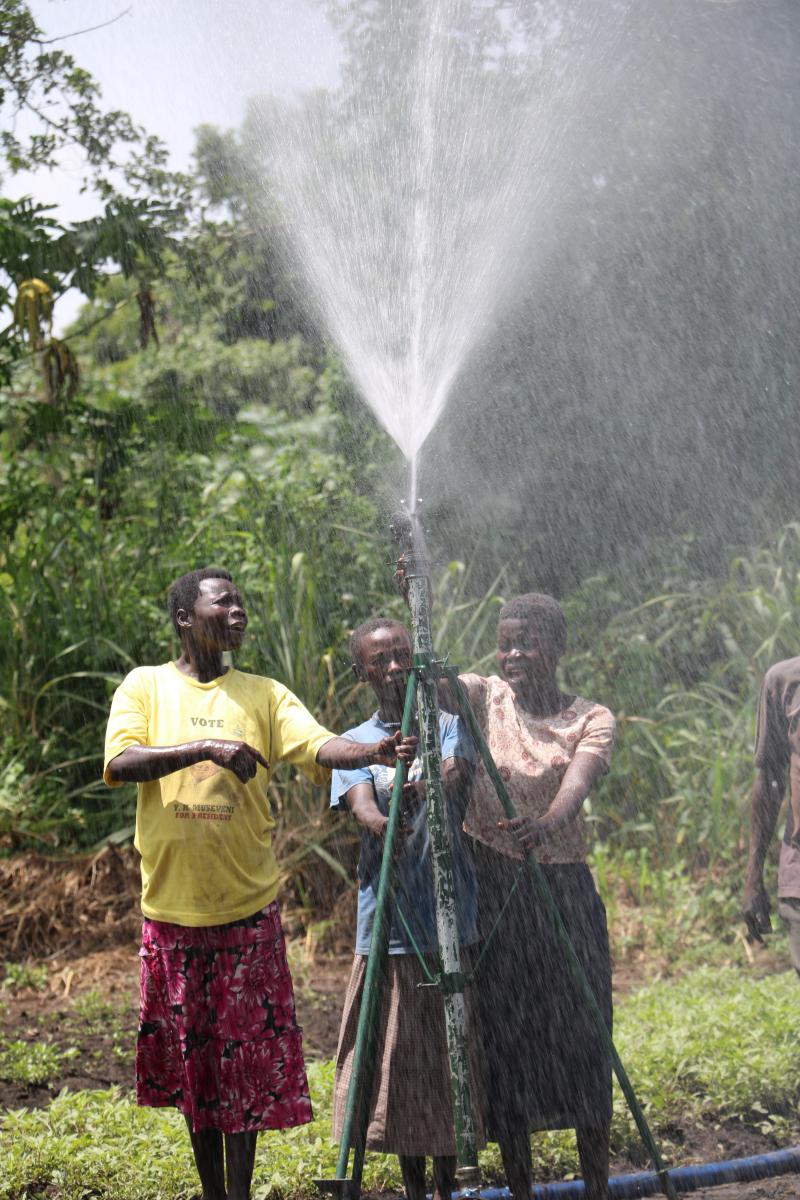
[[67, 906], [320, 986], [80, 918], [85, 1018], [787, 1187], [87, 1014]]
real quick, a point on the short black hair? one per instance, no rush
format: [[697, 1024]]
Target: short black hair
[[542, 611], [184, 591], [368, 627]]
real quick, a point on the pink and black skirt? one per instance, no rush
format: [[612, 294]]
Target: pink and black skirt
[[218, 1037]]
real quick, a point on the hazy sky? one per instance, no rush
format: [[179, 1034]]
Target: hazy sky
[[176, 64]]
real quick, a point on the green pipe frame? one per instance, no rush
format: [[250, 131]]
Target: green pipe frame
[[359, 1092]]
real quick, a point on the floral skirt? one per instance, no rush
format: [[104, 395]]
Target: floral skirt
[[218, 1038]]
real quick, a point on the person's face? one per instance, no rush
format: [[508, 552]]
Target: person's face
[[525, 655], [384, 663], [218, 620]]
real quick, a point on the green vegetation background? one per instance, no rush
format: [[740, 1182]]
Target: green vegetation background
[[211, 423], [194, 415]]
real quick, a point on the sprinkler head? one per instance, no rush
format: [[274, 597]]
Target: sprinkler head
[[408, 531], [401, 527]]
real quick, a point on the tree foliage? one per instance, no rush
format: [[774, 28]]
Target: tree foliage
[[640, 385], [48, 103]]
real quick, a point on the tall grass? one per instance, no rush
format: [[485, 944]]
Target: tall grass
[[682, 673]]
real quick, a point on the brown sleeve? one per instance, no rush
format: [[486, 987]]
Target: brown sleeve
[[772, 749]]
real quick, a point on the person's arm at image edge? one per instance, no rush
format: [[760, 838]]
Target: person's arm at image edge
[[765, 804]]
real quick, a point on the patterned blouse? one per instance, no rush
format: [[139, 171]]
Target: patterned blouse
[[532, 755]]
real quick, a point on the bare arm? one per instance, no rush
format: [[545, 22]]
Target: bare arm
[[141, 764], [343, 755], [579, 778], [766, 799], [361, 802], [456, 776]]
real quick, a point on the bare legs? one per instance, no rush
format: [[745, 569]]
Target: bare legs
[[207, 1149], [515, 1148], [240, 1157], [444, 1176], [593, 1150], [211, 1161]]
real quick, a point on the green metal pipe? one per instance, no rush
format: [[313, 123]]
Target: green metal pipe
[[452, 980], [407, 531], [546, 896], [359, 1092]]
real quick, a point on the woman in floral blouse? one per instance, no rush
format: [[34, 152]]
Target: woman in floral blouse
[[546, 1067]]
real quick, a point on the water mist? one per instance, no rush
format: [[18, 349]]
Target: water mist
[[410, 195]]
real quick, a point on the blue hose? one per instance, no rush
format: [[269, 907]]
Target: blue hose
[[686, 1179]]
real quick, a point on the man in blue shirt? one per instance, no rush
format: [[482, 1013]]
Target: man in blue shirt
[[411, 1107]]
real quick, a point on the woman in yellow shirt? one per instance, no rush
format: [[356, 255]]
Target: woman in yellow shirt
[[218, 1038]]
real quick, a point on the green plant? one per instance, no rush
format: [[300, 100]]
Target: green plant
[[93, 1009], [21, 977], [681, 671], [30, 1062]]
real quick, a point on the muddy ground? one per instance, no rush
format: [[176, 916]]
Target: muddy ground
[[89, 1007], [85, 1004]]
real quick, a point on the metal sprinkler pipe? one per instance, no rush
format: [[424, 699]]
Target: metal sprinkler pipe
[[407, 531]]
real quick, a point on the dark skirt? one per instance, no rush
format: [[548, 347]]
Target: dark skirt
[[218, 1038], [545, 1066]]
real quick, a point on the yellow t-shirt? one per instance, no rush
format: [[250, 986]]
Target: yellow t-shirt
[[204, 837]]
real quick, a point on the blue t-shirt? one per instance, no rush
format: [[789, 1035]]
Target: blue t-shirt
[[413, 874]]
